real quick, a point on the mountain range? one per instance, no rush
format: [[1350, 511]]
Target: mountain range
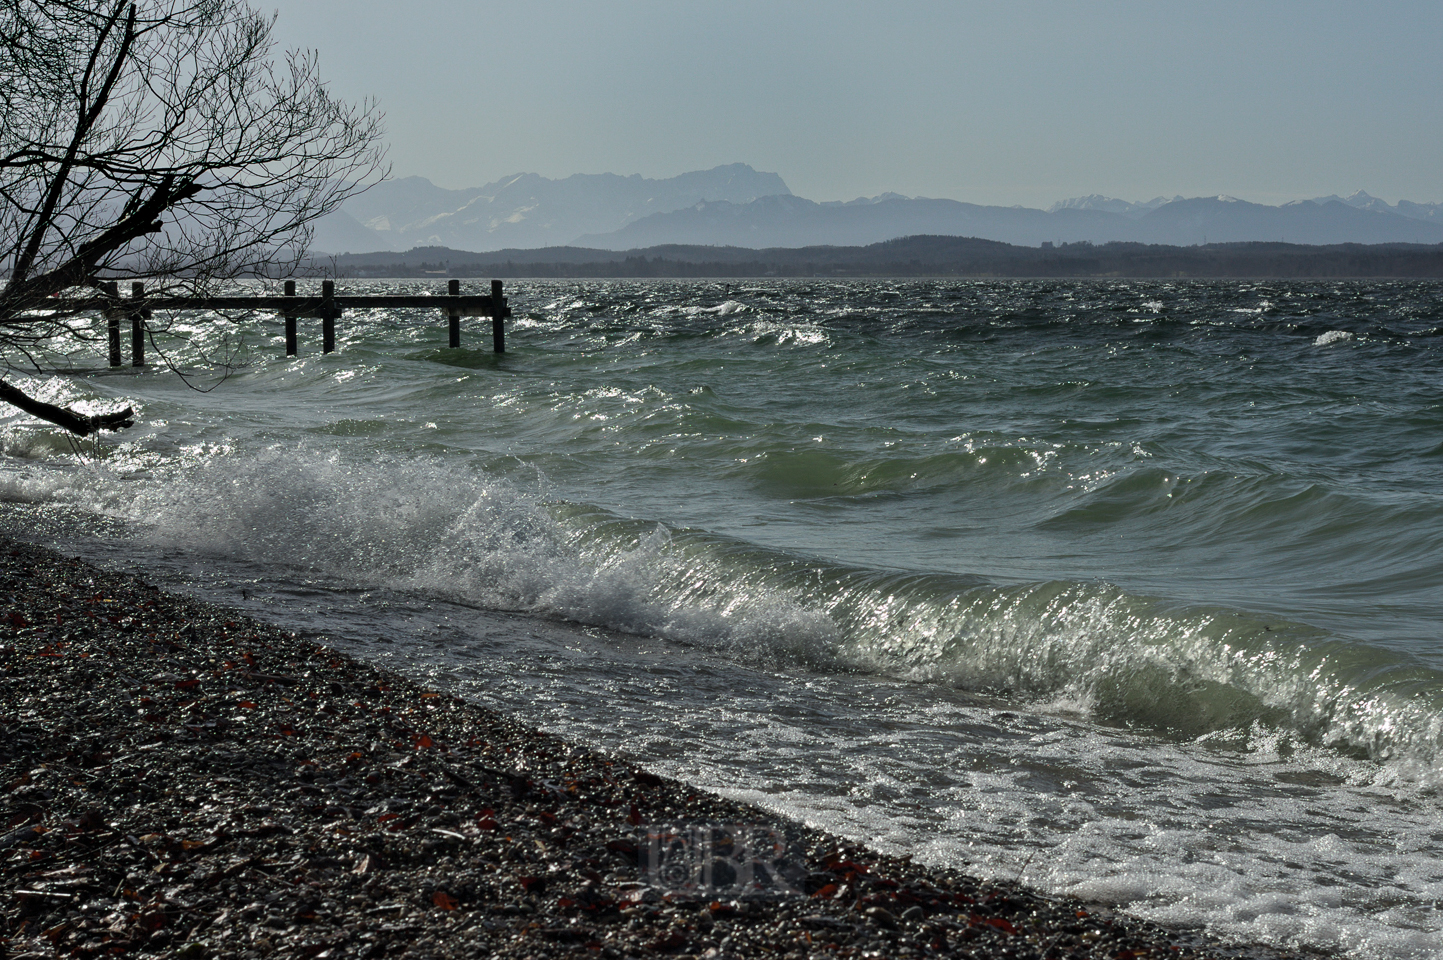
[[735, 205], [525, 210]]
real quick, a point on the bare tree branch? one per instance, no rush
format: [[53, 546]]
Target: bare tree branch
[[69, 419], [159, 140]]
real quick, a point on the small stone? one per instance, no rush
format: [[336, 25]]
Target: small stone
[[880, 916]]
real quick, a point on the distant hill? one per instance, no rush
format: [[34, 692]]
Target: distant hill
[[1432, 212], [794, 222], [920, 256], [525, 210], [1226, 220], [1406, 208]]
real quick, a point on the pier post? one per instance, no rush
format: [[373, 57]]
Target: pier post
[[113, 322], [328, 316], [498, 318], [137, 325], [454, 289], [290, 322]]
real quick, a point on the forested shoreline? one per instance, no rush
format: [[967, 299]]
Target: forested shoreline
[[921, 256]]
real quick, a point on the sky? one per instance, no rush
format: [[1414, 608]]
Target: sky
[[1021, 102]]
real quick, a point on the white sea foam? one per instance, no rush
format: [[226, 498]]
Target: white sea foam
[[1221, 842], [724, 309], [422, 524], [799, 334], [1331, 337]]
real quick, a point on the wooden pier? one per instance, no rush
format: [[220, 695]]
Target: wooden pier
[[328, 308]]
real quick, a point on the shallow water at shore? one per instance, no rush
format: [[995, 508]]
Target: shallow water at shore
[[1127, 590]]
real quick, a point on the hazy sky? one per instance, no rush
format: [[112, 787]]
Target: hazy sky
[[1008, 103]]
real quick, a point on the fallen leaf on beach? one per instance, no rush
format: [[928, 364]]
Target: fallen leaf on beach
[[444, 900], [671, 941], [998, 922]]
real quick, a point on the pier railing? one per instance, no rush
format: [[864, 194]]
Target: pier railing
[[328, 308]]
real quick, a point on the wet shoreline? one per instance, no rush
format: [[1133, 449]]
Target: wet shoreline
[[179, 779]]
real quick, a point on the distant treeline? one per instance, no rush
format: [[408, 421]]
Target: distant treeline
[[921, 256]]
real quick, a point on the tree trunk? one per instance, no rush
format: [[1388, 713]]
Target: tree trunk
[[69, 419]]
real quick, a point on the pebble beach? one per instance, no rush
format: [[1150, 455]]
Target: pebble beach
[[179, 780]]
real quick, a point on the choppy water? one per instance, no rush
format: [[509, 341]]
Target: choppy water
[[1133, 590]]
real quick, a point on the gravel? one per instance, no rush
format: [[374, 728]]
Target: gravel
[[179, 780]]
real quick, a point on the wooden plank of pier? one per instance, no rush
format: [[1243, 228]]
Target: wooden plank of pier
[[327, 307], [310, 307]]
